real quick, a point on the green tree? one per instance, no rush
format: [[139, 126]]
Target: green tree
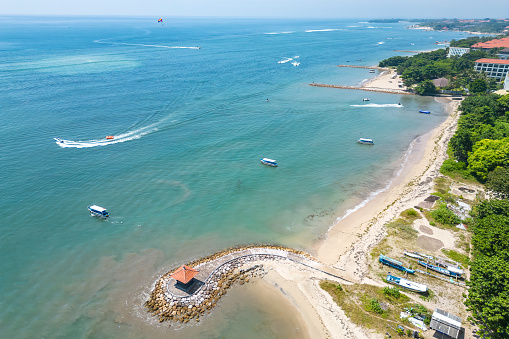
[[425, 87], [498, 180], [461, 144], [486, 155], [411, 76], [504, 102], [393, 61], [491, 207], [478, 86], [488, 296], [491, 235]]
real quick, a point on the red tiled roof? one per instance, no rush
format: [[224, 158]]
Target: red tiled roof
[[184, 274], [497, 43], [493, 61]]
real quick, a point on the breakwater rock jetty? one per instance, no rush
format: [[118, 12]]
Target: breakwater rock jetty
[[369, 89], [366, 67], [176, 298]]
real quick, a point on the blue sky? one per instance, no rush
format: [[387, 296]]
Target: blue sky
[[264, 8]]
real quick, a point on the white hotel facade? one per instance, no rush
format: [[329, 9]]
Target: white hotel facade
[[494, 68]]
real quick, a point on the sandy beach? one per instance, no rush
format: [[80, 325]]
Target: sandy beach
[[349, 241]]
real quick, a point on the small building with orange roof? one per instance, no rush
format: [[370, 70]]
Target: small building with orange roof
[[184, 274]]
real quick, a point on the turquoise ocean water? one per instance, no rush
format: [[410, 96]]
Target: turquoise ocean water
[[182, 177]]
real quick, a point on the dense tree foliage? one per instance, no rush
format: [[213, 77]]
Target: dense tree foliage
[[498, 181], [488, 294], [425, 87], [481, 142], [487, 155]]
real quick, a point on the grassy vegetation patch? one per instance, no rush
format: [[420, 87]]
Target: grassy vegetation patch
[[458, 257], [457, 170], [373, 307], [444, 216], [402, 229], [410, 215], [463, 242], [382, 248]]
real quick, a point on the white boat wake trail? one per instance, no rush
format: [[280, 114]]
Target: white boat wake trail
[[377, 105], [285, 61], [136, 134]]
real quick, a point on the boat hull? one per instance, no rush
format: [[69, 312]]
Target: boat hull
[[407, 284], [99, 214], [269, 162]]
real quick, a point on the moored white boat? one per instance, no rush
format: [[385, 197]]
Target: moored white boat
[[406, 284], [412, 255], [269, 162], [98, 211], [365, 141], [365, 99]]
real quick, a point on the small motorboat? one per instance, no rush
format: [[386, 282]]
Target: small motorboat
[[406, 284], [269, 162], [365, 99], [110, 137], [424, 112], [98, 211], [58, 140], [365, 141], [371, 71]]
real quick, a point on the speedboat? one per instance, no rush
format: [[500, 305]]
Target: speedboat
[[295, 63], [371, 71], [98, 211], [269, 162], [110, 137], [425, 112], [365, 99], [365, 141], [58, 140]]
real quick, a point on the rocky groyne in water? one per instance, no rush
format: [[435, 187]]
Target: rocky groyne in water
[[222, 270]]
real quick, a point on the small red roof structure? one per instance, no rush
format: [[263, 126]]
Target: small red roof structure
[[492, 61], [184, 274]]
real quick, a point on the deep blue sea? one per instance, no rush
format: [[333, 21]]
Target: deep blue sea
[[182, 177]]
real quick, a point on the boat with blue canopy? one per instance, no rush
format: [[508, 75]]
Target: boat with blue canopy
[[269, 162], [425, 112], [452, 273], [98, 211], [365, 141], [394, 263]]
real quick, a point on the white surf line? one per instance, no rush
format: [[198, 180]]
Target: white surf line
[[145, 45], [276, 33], [322, 30]]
